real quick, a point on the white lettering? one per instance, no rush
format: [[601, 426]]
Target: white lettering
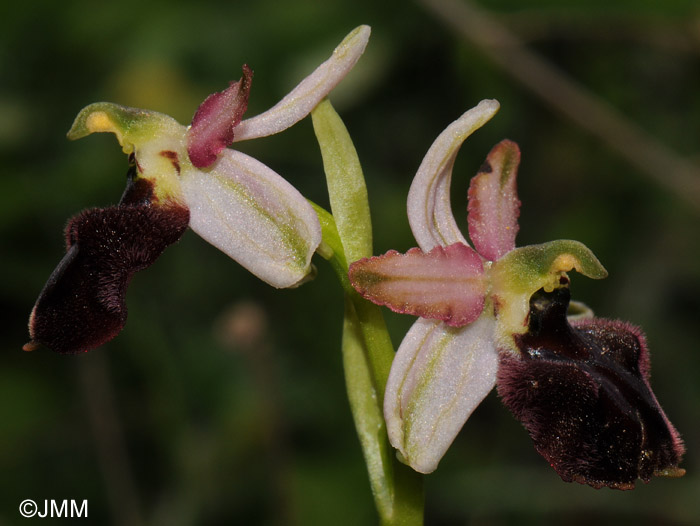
[[59, 512], [46, 510], [55, 508], [75, 512]]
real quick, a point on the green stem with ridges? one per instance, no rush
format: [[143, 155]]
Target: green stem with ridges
[[367, 348], [397, 489]]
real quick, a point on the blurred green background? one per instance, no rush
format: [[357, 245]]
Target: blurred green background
[[222, 402]]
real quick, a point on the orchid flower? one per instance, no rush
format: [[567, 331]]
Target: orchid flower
[[497, 315], [182, 176]]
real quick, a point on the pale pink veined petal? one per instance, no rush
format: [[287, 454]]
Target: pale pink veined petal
[[446, 283], [310, 91], [429, 210], [493, 202], [214, 121], [439, 376], [256, 217]]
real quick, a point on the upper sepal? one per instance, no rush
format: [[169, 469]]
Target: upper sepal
[[299, 102], [583, 394], [429, 207]]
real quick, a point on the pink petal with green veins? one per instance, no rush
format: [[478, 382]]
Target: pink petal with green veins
[[214, 121], [429, 208], [310, 91], [253, 215], [446, 283], [439, 376], [493, 202]]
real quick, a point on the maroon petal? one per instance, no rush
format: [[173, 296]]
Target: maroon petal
[[215, 119], [82, 305], [447, 283], [583, 394], [493, 202]]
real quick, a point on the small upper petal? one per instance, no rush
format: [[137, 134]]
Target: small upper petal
[[439, 376], [493, 202], [255, 216], [214, 121], [299, 102], [429, 209], [447, 284]]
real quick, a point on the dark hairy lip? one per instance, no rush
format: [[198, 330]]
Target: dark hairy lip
[[82, 305], [582, 392]]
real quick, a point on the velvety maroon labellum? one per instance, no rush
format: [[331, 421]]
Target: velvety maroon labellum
[[583, 394], [82, 305]]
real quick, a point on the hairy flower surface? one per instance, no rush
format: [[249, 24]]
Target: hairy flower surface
[[498, 314], [182, 176], [582, 391]]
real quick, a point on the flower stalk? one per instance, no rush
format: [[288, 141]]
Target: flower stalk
[[366, 346]]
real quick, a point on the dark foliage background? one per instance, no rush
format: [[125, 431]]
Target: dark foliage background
[[222, 402]]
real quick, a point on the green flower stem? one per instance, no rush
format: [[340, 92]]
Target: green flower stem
[[350, 208], [367, 353], [367, 348], [332, 247], [397, 489], [369, 316], [367, 414], [376, 336], [346, 184]]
